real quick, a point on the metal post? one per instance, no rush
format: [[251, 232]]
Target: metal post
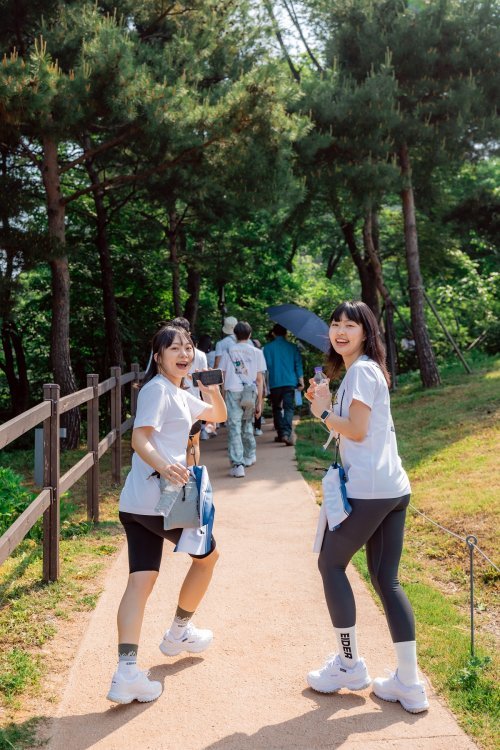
[[446, 332], [134, 392], [134, 389], [93, 447], [116, 422], [471, 542], [51, 474]]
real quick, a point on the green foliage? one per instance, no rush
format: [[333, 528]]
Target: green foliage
[[469, 677], [14, 498], [20, 736], [259, 171], [18, 670]]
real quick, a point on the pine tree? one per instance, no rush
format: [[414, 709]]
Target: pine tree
[[440, 54]]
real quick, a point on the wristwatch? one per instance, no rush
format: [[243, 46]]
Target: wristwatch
[[325, 414]]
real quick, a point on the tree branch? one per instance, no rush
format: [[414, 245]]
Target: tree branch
[[295, 73], [293, 17], [115, 182], [99, 149], [27, 152]]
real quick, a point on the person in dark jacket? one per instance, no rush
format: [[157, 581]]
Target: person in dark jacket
[[284, 364]]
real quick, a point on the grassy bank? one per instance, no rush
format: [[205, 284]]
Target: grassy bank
[[448, 439], [32, 613]]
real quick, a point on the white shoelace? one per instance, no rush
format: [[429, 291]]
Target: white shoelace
[[332, 660]]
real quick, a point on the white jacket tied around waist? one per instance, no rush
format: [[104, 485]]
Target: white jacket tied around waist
[[199, 541], [335, 507]]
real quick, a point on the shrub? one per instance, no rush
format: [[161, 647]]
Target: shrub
[[14, 498]]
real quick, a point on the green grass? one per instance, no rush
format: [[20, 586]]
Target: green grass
[[32, 612], [20, 736], [447, 438]]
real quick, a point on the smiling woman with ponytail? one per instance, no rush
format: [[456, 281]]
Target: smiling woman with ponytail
[[165, 413], [379, 493]]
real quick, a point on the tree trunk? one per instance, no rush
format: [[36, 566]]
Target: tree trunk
[[11, 338], [60, 345], [390, 345], [173, 242], [365, 269], [193, 287], [112, 327], [333, 262], [426, 360], [370, 241], [14, 355]]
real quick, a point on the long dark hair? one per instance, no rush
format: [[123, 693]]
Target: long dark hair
[[163, 339], [373, 347]]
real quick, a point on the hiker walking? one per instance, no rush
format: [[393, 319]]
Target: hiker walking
[[284, 364]]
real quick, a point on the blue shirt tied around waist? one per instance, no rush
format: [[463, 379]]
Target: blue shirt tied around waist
[[284, 363]]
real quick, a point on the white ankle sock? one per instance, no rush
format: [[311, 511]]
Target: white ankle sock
[[180, 623], [348, 647], [407, 662], [127, 659]]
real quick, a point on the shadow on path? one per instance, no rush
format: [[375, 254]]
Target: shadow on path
[[330, 724], [86, 730], [323, 727]]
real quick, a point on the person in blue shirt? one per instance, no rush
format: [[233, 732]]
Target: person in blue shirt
[[284, 364]]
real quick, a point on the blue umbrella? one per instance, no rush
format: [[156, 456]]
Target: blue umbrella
[[303, 323]]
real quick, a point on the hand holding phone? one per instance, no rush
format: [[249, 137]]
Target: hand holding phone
[[207, 377]]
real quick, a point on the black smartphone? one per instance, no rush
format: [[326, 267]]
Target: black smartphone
[[208, 377]]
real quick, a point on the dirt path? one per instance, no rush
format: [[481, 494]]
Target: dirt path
[[266, 607]]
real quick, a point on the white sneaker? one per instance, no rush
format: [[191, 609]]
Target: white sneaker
[[258, 432], [237, 471], [139, 688], [194, 640], [251, 462], [411, 697], [333, 676]]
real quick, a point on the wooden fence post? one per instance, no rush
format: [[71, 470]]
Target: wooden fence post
[[116, 421], [51, 474], [93, 447]]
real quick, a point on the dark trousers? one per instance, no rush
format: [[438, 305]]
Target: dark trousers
[[282, 402], [378, 524]]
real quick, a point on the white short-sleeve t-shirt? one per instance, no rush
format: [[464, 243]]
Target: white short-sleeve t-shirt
[[171, 411], [240, 364], [224, 344], [373, 466]]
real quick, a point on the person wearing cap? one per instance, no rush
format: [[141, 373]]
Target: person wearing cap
[[227, 342]]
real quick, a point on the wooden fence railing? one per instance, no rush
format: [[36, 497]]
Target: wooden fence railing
[[47, 502]]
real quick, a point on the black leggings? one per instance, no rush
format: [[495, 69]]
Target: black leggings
[[145, 535], [380, 525]]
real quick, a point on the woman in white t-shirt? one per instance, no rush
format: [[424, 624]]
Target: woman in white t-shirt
[[165, 413], [379, 493]]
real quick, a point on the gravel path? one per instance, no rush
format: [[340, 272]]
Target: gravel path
[[266, 607]]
